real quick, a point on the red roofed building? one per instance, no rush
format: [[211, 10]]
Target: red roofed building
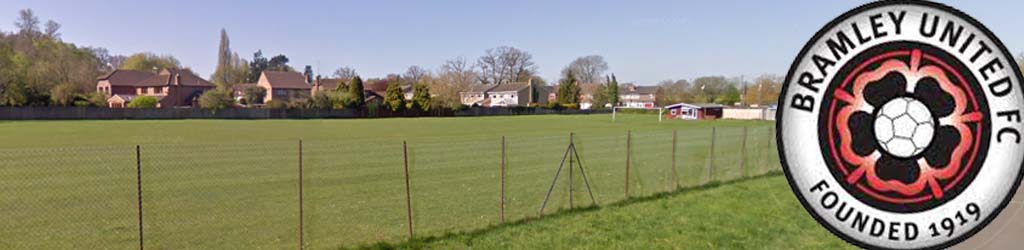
[[284, 86], [172, 87]]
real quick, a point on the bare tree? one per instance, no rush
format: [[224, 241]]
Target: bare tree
[[345, 73], [506, 65], [455, 76], [27, 22], [52, 29], [587, 69], [415, 74]]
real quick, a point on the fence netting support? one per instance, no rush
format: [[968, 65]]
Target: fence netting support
[[570, 153]]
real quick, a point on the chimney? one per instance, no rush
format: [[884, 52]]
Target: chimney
[[317, 82], [177, 79]]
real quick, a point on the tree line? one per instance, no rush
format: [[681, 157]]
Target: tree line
[[38, 68]]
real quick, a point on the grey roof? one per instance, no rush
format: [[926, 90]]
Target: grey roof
[[480, 88], [517, 86]]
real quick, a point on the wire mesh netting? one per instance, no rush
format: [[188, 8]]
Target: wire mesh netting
[[353, 192]]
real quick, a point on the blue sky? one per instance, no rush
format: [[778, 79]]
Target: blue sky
[[643, 41]]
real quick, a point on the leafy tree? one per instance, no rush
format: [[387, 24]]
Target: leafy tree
[[765, 90], [256, 67], [613, 91], [600, 96], [64, 94], [421, 97], [216, 99], [254, 95], [279, 63], [568, 90], [707, 89], [356, 97], [394, 99], [230, 68], [149, 62], [322, 100], [143, 102], [729, 96]]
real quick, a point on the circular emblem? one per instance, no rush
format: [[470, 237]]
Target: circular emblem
[[899, 126]]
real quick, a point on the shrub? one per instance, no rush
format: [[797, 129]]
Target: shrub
[[143, 102], [275, 104], [215, 100]]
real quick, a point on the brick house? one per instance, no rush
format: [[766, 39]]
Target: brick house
[[325, 84], [506, 95], [120, 82], [284, 86], [171, 87], [633, 96]]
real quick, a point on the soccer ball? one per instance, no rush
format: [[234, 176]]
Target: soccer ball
[[904, 127]]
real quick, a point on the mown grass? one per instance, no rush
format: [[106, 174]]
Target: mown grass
[[233, 184], [757, 213]]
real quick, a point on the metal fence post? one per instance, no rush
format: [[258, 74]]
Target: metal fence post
[[138, 189], [570, 173], [743, 154], [301, 240], [711, 157], [503, 179], [408, 197], [675, 174], [629, 143]]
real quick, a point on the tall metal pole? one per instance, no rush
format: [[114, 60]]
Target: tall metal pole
[[629, 140], [502, 179], [138, 189], [301, 241], [408, 197], [675, 174]]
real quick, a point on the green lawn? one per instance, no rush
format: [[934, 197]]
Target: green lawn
[[232, 184], [759, 213]]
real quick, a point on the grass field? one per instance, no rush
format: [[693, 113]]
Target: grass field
[[224, 184], [759, 213]]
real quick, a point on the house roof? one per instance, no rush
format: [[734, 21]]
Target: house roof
[[480, 88], [516, 86], [329, 83], [634, 89], [286, 80], [167, 77], [120, 77], [238, 87], [695, 105]]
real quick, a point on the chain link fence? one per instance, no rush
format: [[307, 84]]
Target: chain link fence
[[330, 194]]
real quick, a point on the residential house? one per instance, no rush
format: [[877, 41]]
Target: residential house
[[633, 96], [284, 86], [171, 87], [476, 95], [120, 82], [506, 95], [326, 84]]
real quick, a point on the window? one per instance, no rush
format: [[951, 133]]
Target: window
[[280, 92], [159, 90]]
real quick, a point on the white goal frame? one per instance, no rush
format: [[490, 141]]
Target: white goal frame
[[661, 111]]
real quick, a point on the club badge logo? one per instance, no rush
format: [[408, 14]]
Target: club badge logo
[[899, 126]]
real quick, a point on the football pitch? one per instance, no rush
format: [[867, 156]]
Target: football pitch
[[233, 184]]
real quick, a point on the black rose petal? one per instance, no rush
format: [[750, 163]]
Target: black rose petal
[[891, 168], [879, 92], [939, 151], [939, 102], [863, 132]]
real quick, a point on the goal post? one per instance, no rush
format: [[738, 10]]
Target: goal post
[[661, 111]]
